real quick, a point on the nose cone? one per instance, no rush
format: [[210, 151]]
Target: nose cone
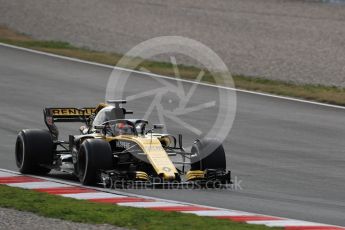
[[168, 176]]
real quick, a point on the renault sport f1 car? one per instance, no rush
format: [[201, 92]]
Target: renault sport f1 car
[[112, 148]]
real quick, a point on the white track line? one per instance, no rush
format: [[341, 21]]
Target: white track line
[[6, 174], [219, 213], [150, 204], [37, 185], [285, 223], [170, 78], [92, 195]]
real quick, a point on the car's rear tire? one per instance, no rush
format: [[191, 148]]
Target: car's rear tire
[[208, 154], [94, 155], [34, 148]]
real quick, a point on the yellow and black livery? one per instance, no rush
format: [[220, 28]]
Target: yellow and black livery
[[114, 150]]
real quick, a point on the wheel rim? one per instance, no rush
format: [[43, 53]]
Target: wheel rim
[[19, 152]]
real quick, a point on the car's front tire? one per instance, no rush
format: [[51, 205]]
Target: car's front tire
[[94, 155], [34, 148], [208, 154]]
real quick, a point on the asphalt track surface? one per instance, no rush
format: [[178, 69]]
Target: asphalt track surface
[[289, 155]]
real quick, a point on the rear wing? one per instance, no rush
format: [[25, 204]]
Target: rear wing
[[69, 114], [52, 115]]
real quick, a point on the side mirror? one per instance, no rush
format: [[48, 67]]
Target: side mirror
[[99, 127], [158, 126]]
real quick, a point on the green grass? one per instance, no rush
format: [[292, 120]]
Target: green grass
[[39, 44], [86, 212], [320, 93]]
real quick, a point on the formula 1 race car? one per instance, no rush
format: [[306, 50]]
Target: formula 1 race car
[[112, 150]]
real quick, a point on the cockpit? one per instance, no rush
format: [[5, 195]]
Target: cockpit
[[125, 127], [115, 123]]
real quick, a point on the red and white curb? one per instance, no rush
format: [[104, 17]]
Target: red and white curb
[[72, 190]]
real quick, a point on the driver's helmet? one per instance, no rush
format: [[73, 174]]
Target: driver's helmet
[[123, 128]]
